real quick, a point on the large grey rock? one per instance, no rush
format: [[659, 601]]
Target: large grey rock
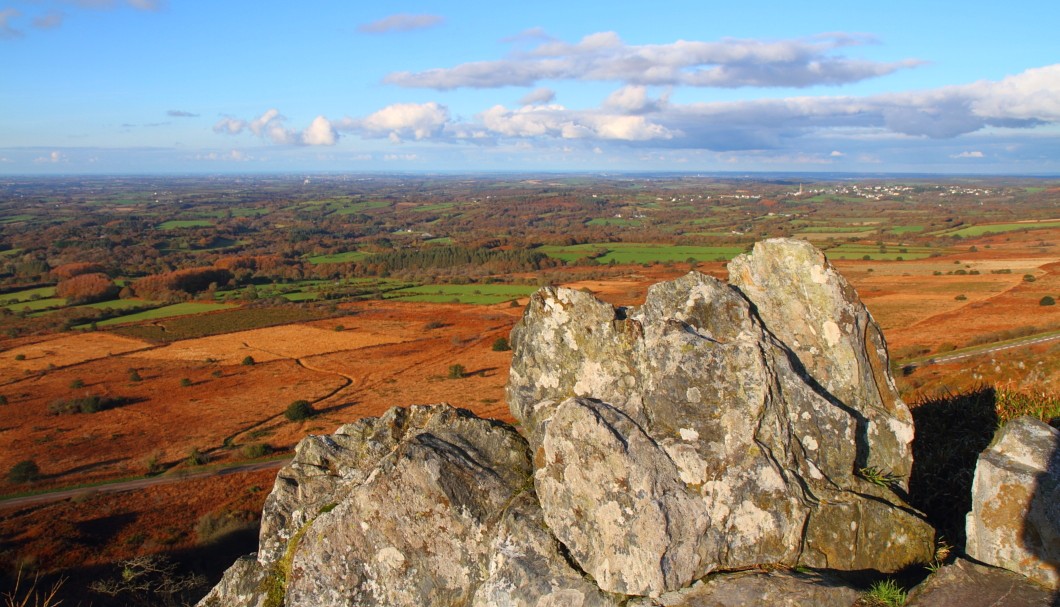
[[423, 506], [757, 589], [682, 437], [245, 584], [1015, 517], [810, 307], [966, 584]]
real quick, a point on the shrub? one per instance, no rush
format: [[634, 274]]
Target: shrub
[[961, 297], [26, 471], [1028, 278], [299, 410], [134, 375], [248, 361], [457, 371], [256, 450], [77, 384], [196, 457], [3, 399], [185, 382], [1047, 301], [501, 344], [85, 404], [20, 357], [434, 324]]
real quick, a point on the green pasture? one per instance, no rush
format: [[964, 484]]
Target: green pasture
[[906, 229], [613, 221], [37, 305], [859, 251], [350, 208], [998, 228], [468, 294], [180, 309], [16, 218], [26, 295], [175, 224], [626, 252], [345, 257]]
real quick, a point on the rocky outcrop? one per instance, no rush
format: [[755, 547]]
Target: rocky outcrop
[[425, 505], [695, 434], [817, 314], [966, 584], [684, 436], [1015, 517], [757, 589]]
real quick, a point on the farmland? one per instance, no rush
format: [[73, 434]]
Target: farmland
[[224, 303]]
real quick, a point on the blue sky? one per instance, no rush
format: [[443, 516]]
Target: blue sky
[[157, 86]]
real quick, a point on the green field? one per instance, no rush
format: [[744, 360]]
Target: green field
[[613, 221], [237, 319], [860, 251], [180, 309], [359, 207], [37, 304], [626, 252], [468, 294], [906, 229], [185, 223], [345, 257], [27, 295], [998, 228], [16, 218]]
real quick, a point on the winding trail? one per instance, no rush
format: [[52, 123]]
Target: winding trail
[[139, 483]]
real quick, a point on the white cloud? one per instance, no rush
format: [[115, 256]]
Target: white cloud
[[401, 23], [727, 63], [400, 157], [975, 154], [557, 121], [272, 126], [632, 99], [52, 158], [539, 96], [402, 121], [6, 29], [837, 154], [320, 132], [181, 114]]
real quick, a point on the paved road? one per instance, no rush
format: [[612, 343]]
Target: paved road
[[988, 350], [140, 483]]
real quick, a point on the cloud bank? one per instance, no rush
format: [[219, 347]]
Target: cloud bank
[[729, 63]]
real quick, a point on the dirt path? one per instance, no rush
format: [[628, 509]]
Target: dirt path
[[988, 349], [140, 483]]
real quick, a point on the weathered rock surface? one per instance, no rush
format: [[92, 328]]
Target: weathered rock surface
[[425, 505], [243, 585], [683, 436], [758, 588], [966, 584], [810, 307], [1015, 517]]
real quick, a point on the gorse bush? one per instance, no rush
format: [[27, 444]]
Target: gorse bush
[[25, 471], [85, 404], [457, 372], [299, 410], [501, 345]]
